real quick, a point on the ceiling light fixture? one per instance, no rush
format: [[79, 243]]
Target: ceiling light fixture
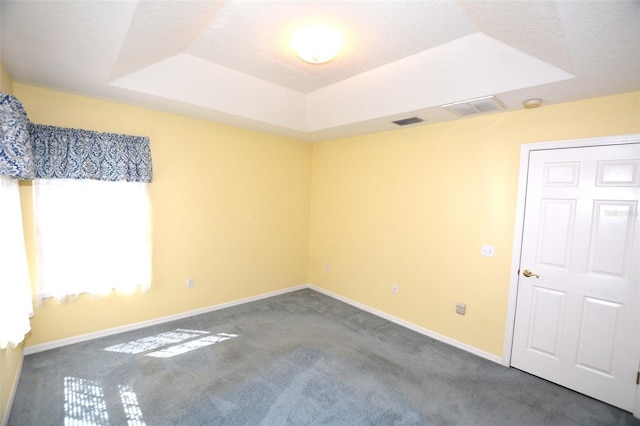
[[317, 44]]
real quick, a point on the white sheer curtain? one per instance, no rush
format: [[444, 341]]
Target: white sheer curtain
[[15, 289], [91, 237]]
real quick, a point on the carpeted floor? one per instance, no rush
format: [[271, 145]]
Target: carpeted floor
[[297, 359]]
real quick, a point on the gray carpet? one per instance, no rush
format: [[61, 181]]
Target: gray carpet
[[297, 359]]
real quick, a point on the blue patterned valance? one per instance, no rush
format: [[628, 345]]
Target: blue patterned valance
[[16, 153], [29, 151], [65, 153]]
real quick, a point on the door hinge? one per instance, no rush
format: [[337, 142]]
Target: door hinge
[[638, 378]]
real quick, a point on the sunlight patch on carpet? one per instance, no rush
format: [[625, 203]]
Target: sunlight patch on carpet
[[130, 404], [171, 343], [191, 345], [84, 403]]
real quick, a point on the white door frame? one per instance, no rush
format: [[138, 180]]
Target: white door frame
[[525, 149]]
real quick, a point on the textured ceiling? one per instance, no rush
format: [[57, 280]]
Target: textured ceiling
[[230, 61]]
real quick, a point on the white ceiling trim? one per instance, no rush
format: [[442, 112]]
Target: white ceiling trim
[[471, 66], [195, 81]]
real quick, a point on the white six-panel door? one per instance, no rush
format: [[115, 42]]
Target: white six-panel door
[[577, 320]]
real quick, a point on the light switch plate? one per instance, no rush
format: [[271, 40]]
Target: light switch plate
[[488, 250]]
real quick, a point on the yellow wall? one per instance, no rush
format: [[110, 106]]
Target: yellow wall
[[10, 359], [6, 84], [230, 208], [414, 206]]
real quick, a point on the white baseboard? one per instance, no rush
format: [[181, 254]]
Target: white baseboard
[[426, 332], [12, 392], [411, 326], [135, 326]]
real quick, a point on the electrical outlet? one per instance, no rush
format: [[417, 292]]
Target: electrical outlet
[[488, 250], [394, 288], [328, 267], [191, 282], [461, 308]]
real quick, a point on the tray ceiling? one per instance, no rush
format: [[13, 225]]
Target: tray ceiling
[[231, 61]]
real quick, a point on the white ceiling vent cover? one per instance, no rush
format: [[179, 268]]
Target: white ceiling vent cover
[[475, 106]]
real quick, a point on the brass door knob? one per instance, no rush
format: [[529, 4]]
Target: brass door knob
[[527, 273]]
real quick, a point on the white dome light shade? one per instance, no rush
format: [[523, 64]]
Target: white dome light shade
[[317, 44]]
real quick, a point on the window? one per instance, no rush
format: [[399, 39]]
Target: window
[[15, 289], [91, 237]]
